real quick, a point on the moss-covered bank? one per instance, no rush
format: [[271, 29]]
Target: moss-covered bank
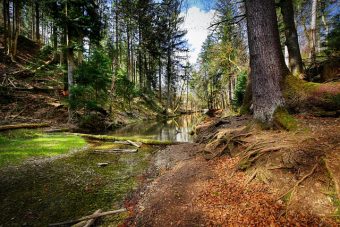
[[19, 145]]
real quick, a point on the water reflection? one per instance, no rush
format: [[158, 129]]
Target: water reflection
[[173, 129]]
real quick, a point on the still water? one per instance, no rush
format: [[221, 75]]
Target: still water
[[173, 129]]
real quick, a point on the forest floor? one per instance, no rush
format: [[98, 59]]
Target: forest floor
[[293, 180]]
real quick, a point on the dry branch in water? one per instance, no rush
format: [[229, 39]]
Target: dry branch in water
[[117, 151]]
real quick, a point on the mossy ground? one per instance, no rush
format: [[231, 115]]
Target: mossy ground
[[302, 96], [283, 119], [19, 145], [36, 194]]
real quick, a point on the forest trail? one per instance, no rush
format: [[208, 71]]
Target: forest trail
[[193, 191]]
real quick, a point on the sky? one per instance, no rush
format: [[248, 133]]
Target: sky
[[198, 16]]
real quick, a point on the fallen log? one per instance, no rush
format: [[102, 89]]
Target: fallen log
[[117, 151], [89, 217], [21, 126], [91, 221], [114, 139], [122, 142], [52, 130], [133, 143]]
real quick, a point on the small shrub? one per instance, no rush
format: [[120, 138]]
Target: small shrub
[[240, 89], [125, 88], [92, 81]]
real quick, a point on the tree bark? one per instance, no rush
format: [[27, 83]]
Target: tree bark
[[5, 19], [128, 57], [160, 79], [292, 42], [37, 22], [70, 68], [168, 74], [16, 28], [313, 31], [266, 59], [55, 41]]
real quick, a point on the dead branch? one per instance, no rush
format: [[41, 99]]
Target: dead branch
[[251, 177], [91, 221], [117, 151], [229, 21], [133, 143], [89, 217]]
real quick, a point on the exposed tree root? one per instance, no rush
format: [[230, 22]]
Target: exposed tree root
[[289, 194], [251, 177], [225, 144], [253, 153]]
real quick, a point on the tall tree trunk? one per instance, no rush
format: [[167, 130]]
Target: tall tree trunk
[[63, 52], [33, 21], [16, 28], [168, 77], [55, 41], [37, 22], [81, 49], [324, 20], [9, 29], [128, 56], [230, 91], [140, 60], [187, 95], [266, 59], [70, 68], [160, 79], [5, 18], [313, 31], [292, 42]]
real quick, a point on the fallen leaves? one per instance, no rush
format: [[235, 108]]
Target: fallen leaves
[[228, 201]]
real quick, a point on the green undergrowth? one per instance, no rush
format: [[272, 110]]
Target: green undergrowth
[[71, 187], [19, 145]]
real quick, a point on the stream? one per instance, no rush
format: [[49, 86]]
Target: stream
[[175, 129], [33, 193]]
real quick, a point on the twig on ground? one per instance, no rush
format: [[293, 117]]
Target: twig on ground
[[89, 217]]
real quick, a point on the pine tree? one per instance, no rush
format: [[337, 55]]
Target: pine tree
[[266, 59]]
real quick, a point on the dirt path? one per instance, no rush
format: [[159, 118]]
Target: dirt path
[[192, 191], [169, 200]]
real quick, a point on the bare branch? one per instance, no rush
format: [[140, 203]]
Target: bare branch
[[230, 21]]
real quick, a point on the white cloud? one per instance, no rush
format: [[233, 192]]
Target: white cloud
[[196, 23]]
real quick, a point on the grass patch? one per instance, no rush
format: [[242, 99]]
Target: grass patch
[[70, 187], [19, 145]]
